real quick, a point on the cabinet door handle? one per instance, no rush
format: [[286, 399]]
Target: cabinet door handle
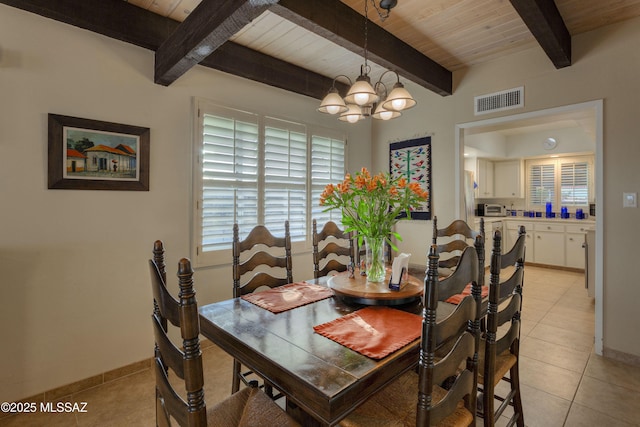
[[548, 227], [538, 236], [571, 238]]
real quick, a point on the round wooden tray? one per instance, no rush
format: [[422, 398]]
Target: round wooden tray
[[359, 291]]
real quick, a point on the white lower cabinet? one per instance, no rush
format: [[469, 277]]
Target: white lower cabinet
[[574, 239], [575, 253], [549, 243]]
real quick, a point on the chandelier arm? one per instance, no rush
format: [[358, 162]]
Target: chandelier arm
[[335, 79], [384, 90], [390, 71]]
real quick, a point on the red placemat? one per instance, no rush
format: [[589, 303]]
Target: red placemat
[[455, 299], [373, 331], [289, 296]]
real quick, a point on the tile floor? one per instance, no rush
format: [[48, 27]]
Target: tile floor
[[563, 382]]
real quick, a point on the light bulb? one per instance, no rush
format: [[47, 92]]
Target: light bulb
[[352, 118], [386, 115], [399, 104], [361, 98], [333, 109]]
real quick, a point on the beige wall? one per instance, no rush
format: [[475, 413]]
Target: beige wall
[[75, 290], [74, 287]]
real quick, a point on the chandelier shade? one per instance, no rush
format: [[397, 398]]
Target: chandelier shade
[[361, 92], [333, 103], [352, 115], [382, 113], [399, 99]]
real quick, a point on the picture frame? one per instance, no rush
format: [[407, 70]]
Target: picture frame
[[85, 154], [411, 159]]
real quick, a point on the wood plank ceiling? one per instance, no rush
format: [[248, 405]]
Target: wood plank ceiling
[[300, 45]]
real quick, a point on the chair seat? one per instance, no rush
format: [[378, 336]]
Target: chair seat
[[504, 362], [396, 404], [248, 407]]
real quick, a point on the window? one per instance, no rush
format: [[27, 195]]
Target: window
[[541, 184], [251, 169], [327, 167], [566, 181], [574, 184]]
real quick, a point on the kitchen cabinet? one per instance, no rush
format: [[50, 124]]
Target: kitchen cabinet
[[549, 244], [574, 251], [484, 178], [508, 179]]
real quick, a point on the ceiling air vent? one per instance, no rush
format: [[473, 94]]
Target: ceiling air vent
[[499, 101]]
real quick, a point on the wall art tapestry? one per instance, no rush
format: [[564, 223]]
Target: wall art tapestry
[[412, 159], [89, 154]]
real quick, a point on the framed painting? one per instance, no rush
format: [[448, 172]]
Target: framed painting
[[412, 159], [89, 154]]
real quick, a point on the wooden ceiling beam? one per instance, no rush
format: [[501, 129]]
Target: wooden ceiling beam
[[241, 61], [547, 26], [204, 30], [123, 21], [340, 24], [112, 18]]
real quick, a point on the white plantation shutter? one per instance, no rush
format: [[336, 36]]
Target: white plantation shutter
[[327, 167], [250, 169], [564, 181], [229, 178], [541, 184], [285, 178], [574, 184]]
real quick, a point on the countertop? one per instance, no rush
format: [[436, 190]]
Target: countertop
[[489, 219]]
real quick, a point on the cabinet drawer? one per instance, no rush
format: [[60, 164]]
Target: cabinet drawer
[[576, 228], [549, 227], [514, 225]]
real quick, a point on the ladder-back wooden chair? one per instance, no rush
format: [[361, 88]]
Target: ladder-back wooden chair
[[454, 239], [333, 249], [187, 407], [261, 260], [500, 345], [443, 392]]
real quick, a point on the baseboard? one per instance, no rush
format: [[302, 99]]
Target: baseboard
[[629, 359], [555, 267]]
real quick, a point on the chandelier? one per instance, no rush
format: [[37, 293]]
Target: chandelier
[[363, 99]]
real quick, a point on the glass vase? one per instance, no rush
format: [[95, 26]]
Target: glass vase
[[374, 260]]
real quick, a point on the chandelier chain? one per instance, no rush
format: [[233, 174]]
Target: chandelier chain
[[366, 33]]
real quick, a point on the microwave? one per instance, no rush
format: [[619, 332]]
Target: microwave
[[490, 209]]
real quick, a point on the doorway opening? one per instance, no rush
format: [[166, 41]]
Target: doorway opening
[[592, 112]]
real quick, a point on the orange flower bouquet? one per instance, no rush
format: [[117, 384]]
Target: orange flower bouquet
[[371, 206]]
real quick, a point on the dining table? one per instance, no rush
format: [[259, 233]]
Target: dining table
[[323, 380]]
